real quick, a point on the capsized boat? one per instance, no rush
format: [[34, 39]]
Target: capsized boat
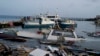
[[63, 35]]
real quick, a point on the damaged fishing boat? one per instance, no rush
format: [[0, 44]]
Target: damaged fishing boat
[[67, 35]]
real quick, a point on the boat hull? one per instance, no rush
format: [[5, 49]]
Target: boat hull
[[63, 36], [68, 25], [39, 26]]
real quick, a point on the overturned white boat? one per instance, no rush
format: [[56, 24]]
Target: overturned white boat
[[66, 35]]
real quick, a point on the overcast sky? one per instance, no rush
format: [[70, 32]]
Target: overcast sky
[[66, 8]]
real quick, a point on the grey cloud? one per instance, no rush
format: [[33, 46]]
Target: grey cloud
[[93, 0], [66, 8]]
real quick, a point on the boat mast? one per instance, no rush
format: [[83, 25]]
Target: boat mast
[[56, 14]]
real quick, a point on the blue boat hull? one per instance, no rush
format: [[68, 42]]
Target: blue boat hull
[[50, 25], [68, 25], [39, 26]]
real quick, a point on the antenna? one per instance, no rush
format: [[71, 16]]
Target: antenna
[[56, 11], [57, 16], [47, 13]]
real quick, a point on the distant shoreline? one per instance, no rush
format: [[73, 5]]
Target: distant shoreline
[[77, 19]]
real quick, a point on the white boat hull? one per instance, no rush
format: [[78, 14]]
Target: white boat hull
[[54, 38], [27, 34]]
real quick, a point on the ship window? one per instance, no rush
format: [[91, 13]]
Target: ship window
[[51, 17]]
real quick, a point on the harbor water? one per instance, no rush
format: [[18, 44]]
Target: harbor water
[[90, 42], [87, 26]]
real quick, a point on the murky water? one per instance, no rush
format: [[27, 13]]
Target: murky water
[[88, 26], [90, 42]]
